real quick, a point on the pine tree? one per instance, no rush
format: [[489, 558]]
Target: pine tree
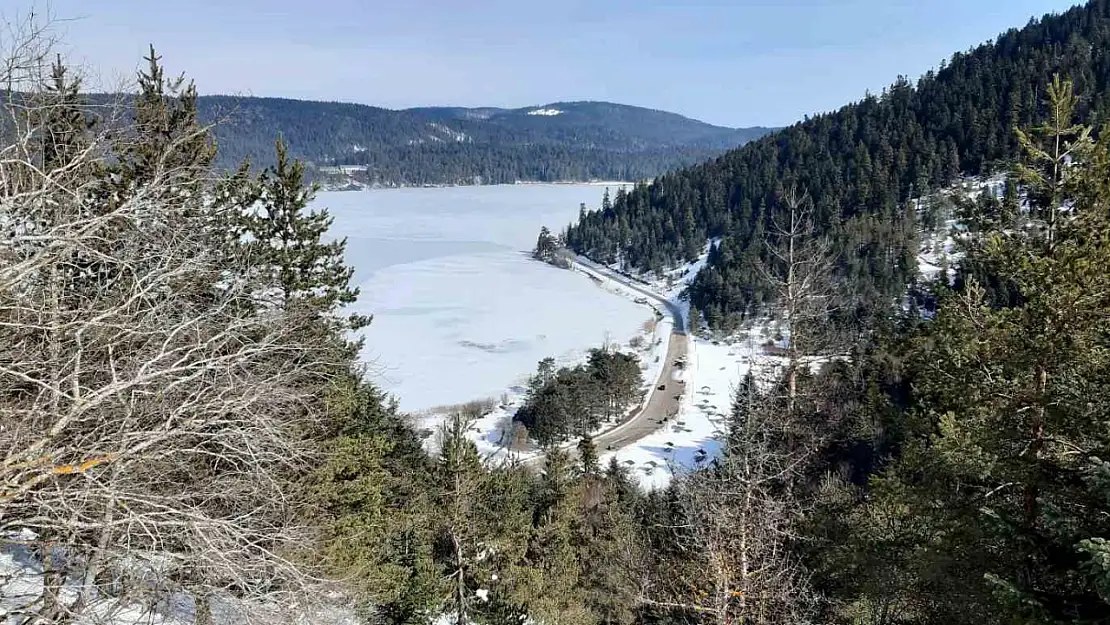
[[505, 576], [63, 132], [287, 244], [743, 403], [552, 545], [1048, 149], [1017, 395], [587, 456], [168, 136], [371, 493], [695, 321], [545, 246], [1011, 206], [608, 552], [65, 121], [619, 482], [617, 379], [459, 492]]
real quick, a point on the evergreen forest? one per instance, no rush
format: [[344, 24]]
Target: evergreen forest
[[446, 146], [860, 166], [184, 417]]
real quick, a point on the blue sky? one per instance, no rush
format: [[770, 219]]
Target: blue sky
[[736, 63]]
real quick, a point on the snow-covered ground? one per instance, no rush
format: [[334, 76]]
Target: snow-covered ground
[[491, 432], [673, 282], [940, 248], [460, 311], [713, 369], [21, 586], [712, 373]]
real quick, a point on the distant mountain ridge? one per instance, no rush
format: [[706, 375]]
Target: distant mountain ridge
[[642, 127], [861, 167], [457, 145]]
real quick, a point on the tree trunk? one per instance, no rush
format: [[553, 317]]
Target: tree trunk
[[53, 578], [460, 587], [203, 609], [1036, 448]]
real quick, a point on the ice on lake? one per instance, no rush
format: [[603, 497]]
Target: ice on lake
[[460, 311]]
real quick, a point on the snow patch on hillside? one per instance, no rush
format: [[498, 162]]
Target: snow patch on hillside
[[545, 112], [941, 247], [449, 133], [940, 252], [672, 284]]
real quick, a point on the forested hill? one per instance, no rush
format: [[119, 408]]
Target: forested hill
[[560, 141], [860, 165]]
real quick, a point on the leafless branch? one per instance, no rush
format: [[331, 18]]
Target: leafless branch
[[153, 405]]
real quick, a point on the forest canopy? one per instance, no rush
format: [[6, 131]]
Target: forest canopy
[[186, 426], [861, 166]]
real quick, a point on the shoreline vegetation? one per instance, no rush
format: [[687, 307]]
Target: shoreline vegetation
[[349, 184], [526, 416]]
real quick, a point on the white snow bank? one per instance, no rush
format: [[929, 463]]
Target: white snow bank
[[545, 112]]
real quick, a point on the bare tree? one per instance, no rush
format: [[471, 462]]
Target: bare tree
[[153, 402], [800, 271], [737, 518], [738, 515]]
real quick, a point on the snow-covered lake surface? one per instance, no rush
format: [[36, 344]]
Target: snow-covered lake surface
[[460, 310]]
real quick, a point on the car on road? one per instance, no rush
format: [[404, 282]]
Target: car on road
[[662, 387]]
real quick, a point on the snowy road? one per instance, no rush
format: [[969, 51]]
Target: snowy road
[[588, 266], [666, 393]]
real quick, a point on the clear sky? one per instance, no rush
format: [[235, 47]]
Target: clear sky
[[736, 63]]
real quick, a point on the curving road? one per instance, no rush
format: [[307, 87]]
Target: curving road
[[661, 404]]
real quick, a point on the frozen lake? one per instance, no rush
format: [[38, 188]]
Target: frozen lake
[[460, 311]]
